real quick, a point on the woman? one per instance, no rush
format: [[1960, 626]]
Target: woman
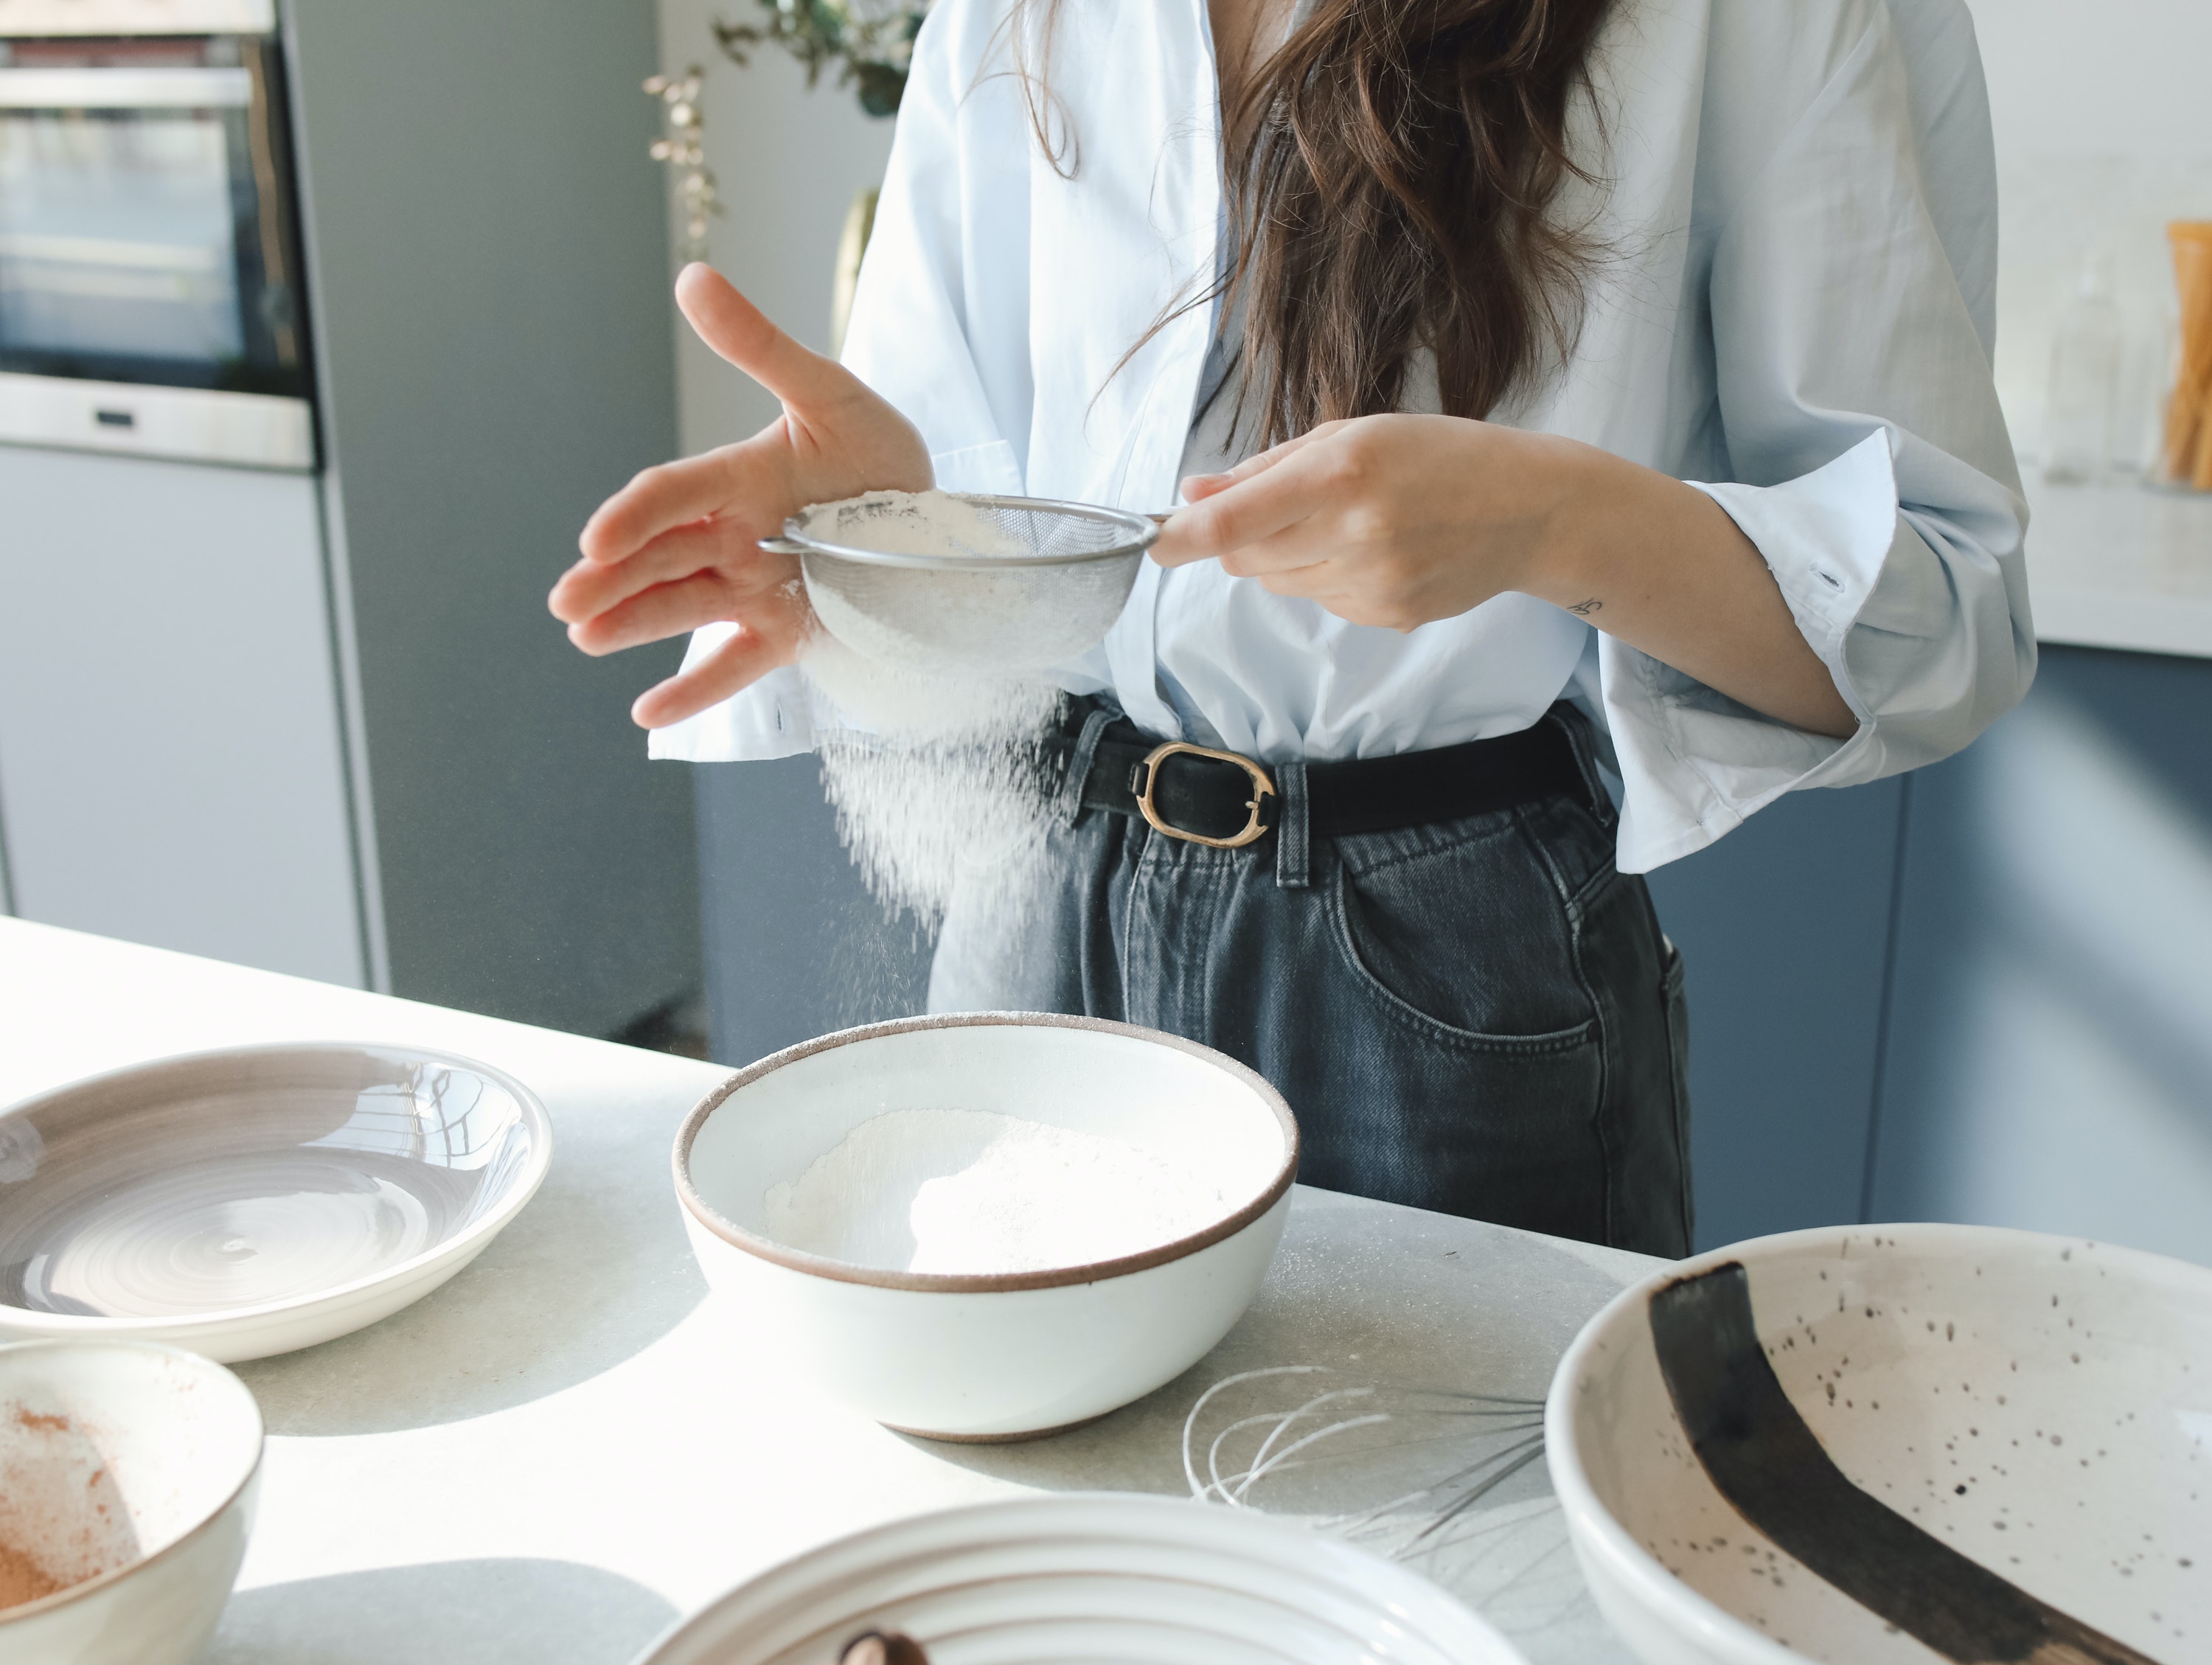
[[1429, 329]]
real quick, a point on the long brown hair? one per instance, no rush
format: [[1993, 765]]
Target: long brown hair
[[1394, 169]]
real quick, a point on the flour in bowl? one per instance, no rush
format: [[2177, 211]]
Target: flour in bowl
[[972, 1191]]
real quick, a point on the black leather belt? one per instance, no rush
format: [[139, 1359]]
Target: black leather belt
[[1220, 798]]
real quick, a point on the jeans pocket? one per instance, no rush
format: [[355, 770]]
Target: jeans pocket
[[1434, 1114], [1438, 1043], [1466, 943]]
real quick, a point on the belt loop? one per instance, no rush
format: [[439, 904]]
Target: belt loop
[[1582, 741], [1292, 867], [1078, 764]]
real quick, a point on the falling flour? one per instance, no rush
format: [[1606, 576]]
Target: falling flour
[[934, 775], [971, 1191]]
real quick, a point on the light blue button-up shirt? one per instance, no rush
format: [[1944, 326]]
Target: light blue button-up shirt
[[1797, 314]]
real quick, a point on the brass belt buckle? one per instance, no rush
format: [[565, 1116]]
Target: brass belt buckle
[[1262, 787]]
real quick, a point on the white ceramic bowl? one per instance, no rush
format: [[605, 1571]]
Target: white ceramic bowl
[[256, 1199], [128, 1472], [1090, 1576], [960, 1356], [2042, 1405]]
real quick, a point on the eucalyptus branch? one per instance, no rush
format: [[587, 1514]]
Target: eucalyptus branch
[[868, 43]]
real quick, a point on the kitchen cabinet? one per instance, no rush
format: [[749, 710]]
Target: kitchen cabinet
[[489, 259], [320, 722], [795, 945], [1980, 994], [171, 769], [2049, 1062], [1786, 928]]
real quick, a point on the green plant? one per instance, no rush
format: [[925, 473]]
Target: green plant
[[868, 42]]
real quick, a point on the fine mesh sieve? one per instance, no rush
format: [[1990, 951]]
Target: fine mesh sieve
[[1048, 597]]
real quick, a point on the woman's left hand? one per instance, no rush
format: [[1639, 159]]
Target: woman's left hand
[[1393, 520]]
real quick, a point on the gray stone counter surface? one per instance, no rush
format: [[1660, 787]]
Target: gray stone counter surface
[[566, 1447]]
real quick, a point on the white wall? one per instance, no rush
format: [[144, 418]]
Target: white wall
[[788, 161], [2104, 133]]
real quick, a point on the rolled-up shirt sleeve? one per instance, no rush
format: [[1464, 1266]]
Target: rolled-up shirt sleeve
[[1866, 455]]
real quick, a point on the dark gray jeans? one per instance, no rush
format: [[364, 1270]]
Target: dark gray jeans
[[1480, 1017]]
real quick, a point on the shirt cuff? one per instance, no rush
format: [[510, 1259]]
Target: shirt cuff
[[1825, 537], [1694, 764]]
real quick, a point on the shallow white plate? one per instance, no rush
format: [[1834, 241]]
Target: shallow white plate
[[2041, 1406], [1090, 1576], [256, 1199]]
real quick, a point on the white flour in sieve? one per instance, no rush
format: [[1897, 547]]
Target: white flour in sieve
[[972, 1191], [923, 523], [935, 780]]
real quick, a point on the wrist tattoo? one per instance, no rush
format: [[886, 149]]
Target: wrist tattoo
[[1584, 609]]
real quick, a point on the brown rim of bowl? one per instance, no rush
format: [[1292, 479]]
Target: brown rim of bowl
[[122, 1326], [976, 1283], [113, 1576]]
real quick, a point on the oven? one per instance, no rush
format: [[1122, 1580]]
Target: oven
[[151, 299]]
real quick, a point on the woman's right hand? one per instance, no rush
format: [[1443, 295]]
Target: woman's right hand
[[679, 546]]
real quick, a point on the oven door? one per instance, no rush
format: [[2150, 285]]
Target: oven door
[[150, 293]]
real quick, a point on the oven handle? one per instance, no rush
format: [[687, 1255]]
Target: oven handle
[[125, 89]]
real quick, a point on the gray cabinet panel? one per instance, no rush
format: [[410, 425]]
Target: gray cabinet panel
[[489, 245], [1784, 929], [170, 769], [795, 945], [2050, 1054]]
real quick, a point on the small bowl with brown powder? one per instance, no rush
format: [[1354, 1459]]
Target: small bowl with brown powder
[[127, 1473], [989, 1226]]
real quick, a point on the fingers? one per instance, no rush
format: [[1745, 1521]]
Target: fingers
[[665, 610], [1334, 584], [676, 493], [738, 663], [589, 588], [1199, 486], [742, 333], [1265, 503]]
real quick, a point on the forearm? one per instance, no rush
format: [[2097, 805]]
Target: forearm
[[1659, 565]]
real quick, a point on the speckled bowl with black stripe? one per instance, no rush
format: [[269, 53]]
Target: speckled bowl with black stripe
[[1908, 1442]]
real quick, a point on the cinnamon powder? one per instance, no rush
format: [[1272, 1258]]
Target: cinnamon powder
[[67, 1530], [21, 1578]]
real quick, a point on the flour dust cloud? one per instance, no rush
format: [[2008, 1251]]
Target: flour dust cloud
[[937, 779]]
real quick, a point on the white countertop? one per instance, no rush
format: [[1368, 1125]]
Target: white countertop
[[2120, 566], [552, 1457]]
